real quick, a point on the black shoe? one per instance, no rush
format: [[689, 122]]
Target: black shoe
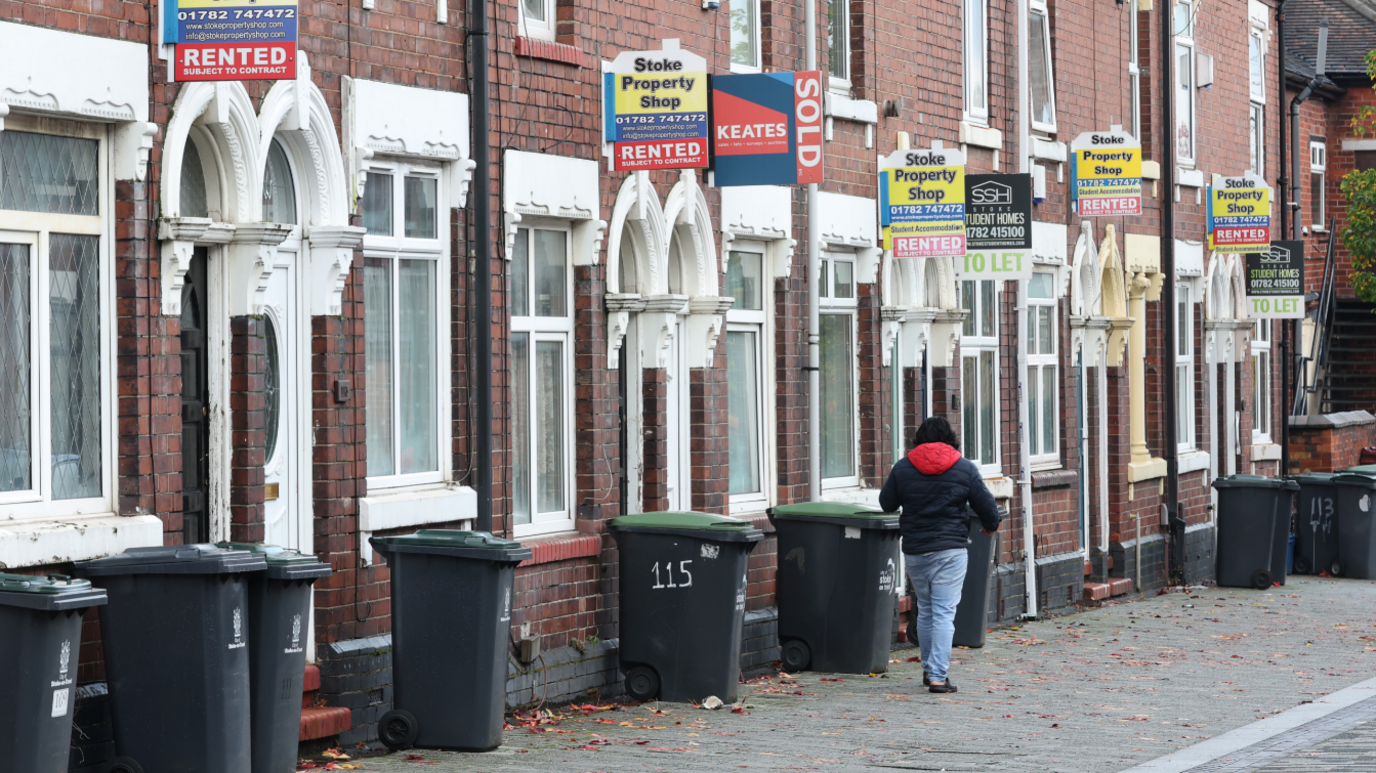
[[926, 680], [942, 688]]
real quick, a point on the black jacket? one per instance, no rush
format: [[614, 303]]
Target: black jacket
[[933, 485]]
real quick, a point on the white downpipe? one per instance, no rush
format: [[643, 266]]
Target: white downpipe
[[1103, 451], [814, 323], [1024, 460]]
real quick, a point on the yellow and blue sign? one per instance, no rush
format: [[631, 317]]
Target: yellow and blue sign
[[655, 106], [767, 128], [922, 203], [1239, 215], [1106, 174]]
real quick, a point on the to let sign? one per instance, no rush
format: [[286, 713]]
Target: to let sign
[[922, 203], [1240, 215], [1275, 282], [230, 40], [656, 109], [998, 227], [1106, 174], [767, 128]]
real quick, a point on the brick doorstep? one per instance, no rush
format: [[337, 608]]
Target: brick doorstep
[[320, 721]]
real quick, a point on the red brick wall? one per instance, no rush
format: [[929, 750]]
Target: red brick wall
[[1329, 449], [248, 428]]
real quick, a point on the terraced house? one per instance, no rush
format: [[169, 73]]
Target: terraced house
[[247, 309]]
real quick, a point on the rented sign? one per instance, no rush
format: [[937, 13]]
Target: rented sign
[[656, 109], [1106, 174], [998, 227], [1275, 282], [922, 203], [230, 40], [767, 128], [1240, 215]]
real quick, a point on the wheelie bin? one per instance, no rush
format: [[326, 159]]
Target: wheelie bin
[[682, 594], [1356, 536], [1316, 524], [176, 635], [838, 569], [40, 644], [451, 634], [279, 609], [972, 614], [1253, 530]]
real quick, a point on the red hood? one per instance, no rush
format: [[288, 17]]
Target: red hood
[[933, 458]]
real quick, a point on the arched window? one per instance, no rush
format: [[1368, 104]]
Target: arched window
[[193, 194], [279, 190]]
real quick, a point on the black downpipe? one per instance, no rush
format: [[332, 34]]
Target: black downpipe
[[482, 274], [1284, 180], [1175, 556]]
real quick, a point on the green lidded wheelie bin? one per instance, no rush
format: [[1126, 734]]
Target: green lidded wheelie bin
[[1316, 524], [682, 596], [176, 636], [40, 645], [1253, 530], [451, 634], [972, 614], [1356, 533], [838, 569], [279, 610]]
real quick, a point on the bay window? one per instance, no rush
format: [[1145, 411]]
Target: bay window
[[979, 374], [1042, 389], [747, 351], [840, 411]]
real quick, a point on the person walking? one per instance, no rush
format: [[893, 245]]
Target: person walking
[[933, 485]]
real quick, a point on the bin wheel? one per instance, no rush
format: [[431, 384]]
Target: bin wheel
[[1261, 579], [795, 655], [397, 729], [124, 765], [1336, 569], [642, 683], [1301, 565]]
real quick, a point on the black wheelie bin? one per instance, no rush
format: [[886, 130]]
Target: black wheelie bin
[[279, 612], [451, 634], [972, 614], [1253, 530], [40, 644], [838, 569], [1316, 524], [1356, 534], [176, 635], [682, 594]]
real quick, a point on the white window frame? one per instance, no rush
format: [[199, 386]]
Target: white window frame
[[1261, 382], [1318, 165], [1184, 360], [399, 247], [756, 32], [1257, 138], [758, 322], [548, 329], [840, 83], [34, 229], [1256, 88], [1134, 72], [1037, 362], [537, 29], [971, 346], [1039, 8], [1184, 39], [828, 303], [976, 113]]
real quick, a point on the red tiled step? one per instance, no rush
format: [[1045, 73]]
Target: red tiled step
[[1120, 585], [1097, 591], [324, 721]]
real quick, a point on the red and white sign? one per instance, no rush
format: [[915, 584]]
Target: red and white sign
[[807, 111], [234, 61], [664, 154], [748, 128]]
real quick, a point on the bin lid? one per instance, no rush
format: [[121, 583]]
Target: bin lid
[[284, 563], [688, 523], [1364, 469], [1355, 479], [840, 513], [51, 592], [455, 542], [1313, 477], [1255, 482], [174, 559]]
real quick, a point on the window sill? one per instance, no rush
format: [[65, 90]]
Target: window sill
[[561, 547], [852, 495], [550, 50], [1057, 478], [849, 109], [980, 136], [1266, 452], [419, 506], [1189, 178], [58, 540], [1049, 150], [999, 486], [1191, 461]]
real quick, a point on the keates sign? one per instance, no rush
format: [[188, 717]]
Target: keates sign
[[1240, 215], [656, 109], [232, 40], [1275, 282], [922, 203], [998, 227], [767, 128], [1106, 174]]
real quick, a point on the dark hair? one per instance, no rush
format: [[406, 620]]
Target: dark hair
[[935, 429]]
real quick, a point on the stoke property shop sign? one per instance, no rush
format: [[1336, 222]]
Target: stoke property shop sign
[[656, 109], [232, 40], [1106, 174], [767, 128], [1240, 215], [1275, 282], [922, 203], [998, 227]]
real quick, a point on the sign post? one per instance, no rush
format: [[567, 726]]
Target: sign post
[[998, 227], [234, 40], [1106, 174], [1275, 282], [922, 203], [1240, 215], [767, 128], [655, 106]]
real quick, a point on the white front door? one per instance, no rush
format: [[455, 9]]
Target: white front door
[[287, 508], [676, 417]]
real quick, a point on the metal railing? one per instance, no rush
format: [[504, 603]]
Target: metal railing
[[1319, 346]]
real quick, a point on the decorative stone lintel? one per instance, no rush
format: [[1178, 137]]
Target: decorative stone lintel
[[133, 143], [619, 307], [251, 255], [657, 322], [917, 335], [179, 237], [331, 255], [1119, 327]]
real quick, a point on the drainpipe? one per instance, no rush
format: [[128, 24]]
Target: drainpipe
[[1029, 545], [1284, 180], [814, 278], [1175, 555], [482, 275]]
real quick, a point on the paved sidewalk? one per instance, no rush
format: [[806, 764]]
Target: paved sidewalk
[[1098, 691]]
